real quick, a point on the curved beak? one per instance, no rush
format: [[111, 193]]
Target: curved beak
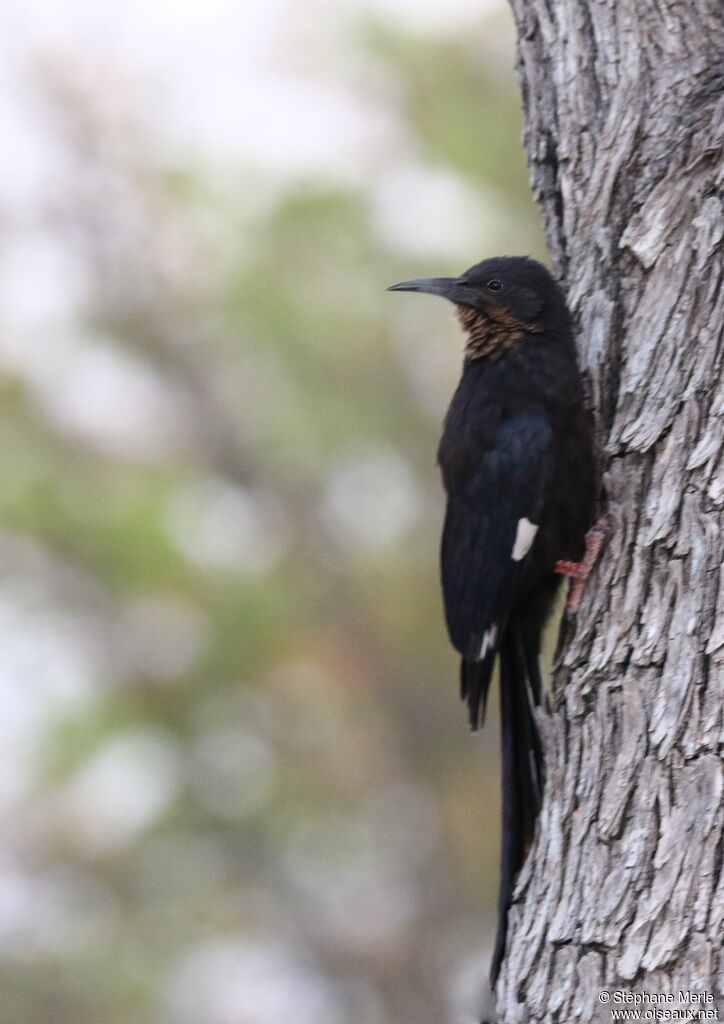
[[456, 289]]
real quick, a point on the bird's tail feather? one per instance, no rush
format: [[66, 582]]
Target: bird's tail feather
[[520, 687], [475, 679]]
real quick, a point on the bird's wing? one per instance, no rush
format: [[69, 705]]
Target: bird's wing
[[490, 525]]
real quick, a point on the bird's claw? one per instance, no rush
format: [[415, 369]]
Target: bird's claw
[[578, 572]]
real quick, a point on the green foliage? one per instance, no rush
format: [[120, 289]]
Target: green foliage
[[246, 746]]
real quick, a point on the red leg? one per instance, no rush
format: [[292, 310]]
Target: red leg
[[580, 571]]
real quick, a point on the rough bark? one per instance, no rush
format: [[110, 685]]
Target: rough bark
[[624, 888]]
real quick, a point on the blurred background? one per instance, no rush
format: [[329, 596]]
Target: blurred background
[[237, 785]]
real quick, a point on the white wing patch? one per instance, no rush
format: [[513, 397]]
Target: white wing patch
[[488, 643], [524, 537]]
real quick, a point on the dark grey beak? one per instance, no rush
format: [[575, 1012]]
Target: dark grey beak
[[456, 289]]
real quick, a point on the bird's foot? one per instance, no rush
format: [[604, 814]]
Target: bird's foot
[[578, 572]]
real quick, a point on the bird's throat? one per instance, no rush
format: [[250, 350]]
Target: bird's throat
[[489, 336]]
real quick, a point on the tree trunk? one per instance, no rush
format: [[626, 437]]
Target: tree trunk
[[624, 888]]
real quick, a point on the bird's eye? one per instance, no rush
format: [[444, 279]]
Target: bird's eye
[[494, 285]]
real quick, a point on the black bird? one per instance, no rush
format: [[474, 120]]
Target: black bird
[[517, 465]]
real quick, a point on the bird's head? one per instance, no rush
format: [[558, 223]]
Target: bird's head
[[499, 301]]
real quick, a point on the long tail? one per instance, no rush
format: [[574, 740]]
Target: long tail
[[523, 778]]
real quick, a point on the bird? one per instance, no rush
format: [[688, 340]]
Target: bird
[[517, 463]]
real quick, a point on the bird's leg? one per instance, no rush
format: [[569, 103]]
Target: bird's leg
[[580, 571]]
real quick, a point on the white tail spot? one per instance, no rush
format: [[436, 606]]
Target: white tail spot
[[524, 537], [488, 643]]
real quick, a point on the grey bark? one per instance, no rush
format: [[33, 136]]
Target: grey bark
[[624, 887]]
